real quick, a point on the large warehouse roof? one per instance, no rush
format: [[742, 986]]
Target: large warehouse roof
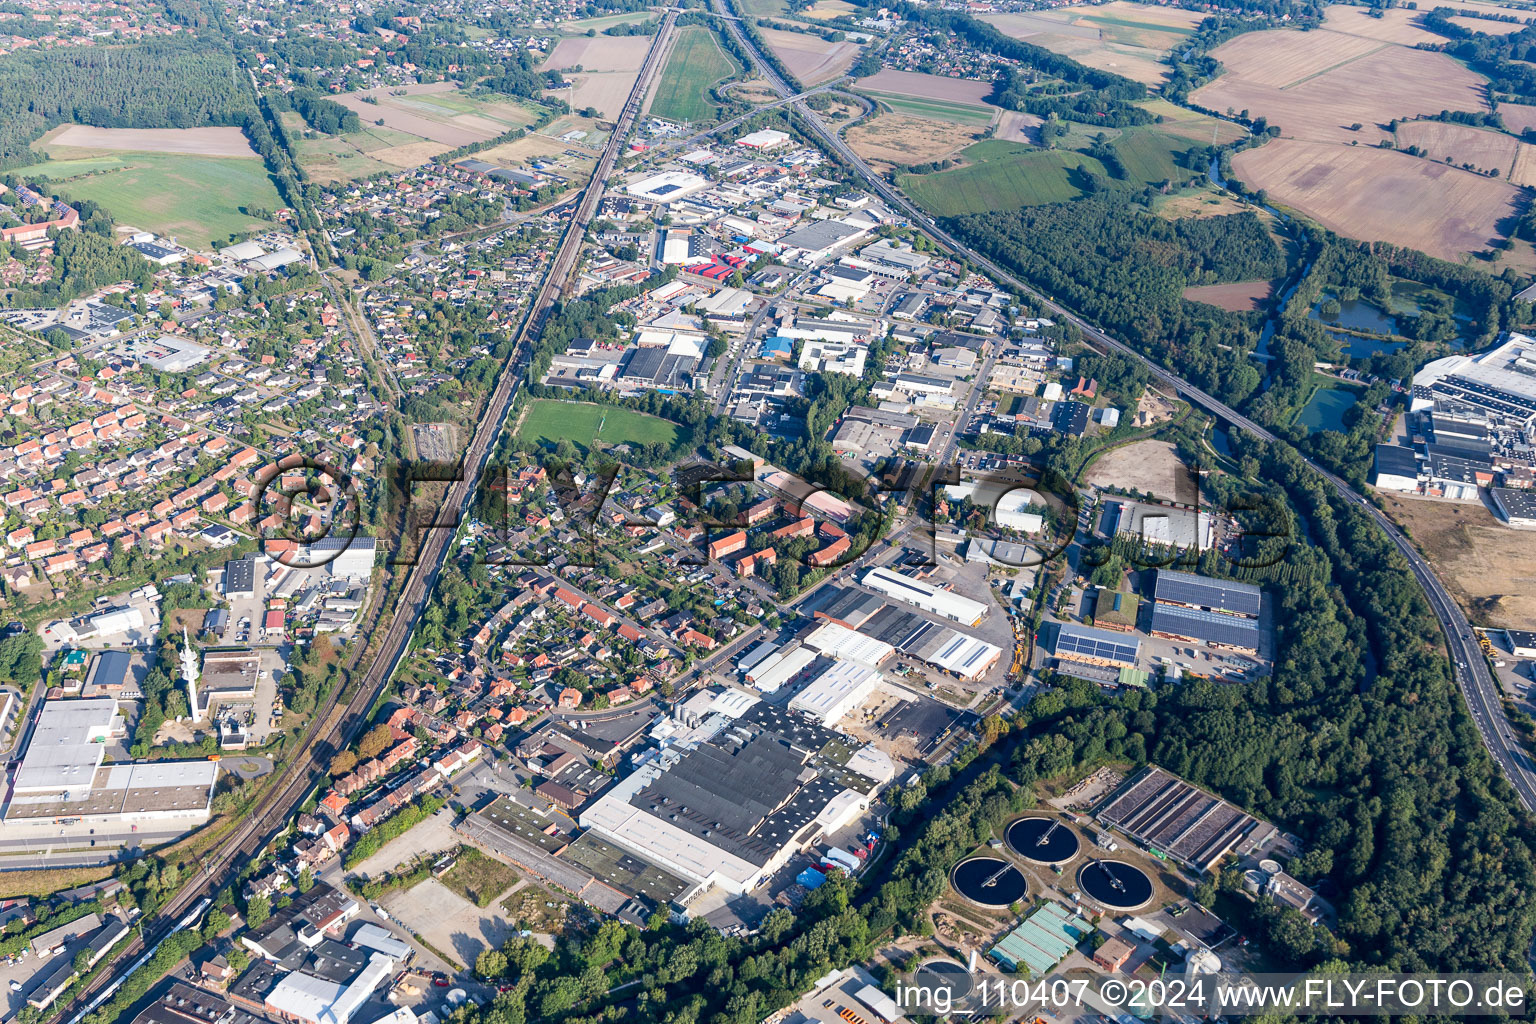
[[965, 656], [1211, 627], [67, 745], [836, 691], [924, 595], [1204, 592], [837, 641], [1168, 814], [777, 669]]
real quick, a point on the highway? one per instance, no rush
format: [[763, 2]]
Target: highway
[[1470, 668], [335, 726]]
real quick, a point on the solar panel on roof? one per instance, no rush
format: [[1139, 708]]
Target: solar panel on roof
[[1223, 595], [1212, 627], [1096, 643]]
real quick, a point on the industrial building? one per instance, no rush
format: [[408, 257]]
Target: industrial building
[[1092, 646], [62, 774], [1173, 818], [1522, 642], [1221, 613], [837, 641], [849, 607], [730, 811], [839, 689], [780, 667], [1515, 507], [944, 603]]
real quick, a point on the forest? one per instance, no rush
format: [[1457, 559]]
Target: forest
[[1126, 271], [161, 83]]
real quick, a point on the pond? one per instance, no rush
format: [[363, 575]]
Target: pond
[[1326, 409], [1357, 315], [1359, 346]]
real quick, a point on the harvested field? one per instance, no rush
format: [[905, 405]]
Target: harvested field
[[1147, 466], [610, 65], [810, 58], [597, 53], [1518, 116], [186, 141], [1524, 171], [1315, 85], [1396, 25], [1126, 38], [1017, 126], [1484, 148], [823, 9], [1237, 297], [1381, 195], [899, 140], [1489, 568], [933, 87], [1487, 26]]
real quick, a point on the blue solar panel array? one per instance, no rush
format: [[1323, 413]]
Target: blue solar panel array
[[1211, 627], [1204, 592], [1086, 642]]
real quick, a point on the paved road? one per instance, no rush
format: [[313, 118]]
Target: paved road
[[1470, 668]]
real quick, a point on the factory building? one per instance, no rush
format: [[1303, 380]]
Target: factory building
[[944, 603]]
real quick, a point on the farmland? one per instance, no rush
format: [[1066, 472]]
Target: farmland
[[1237, 296], [931, 96], [1483, 148], [694, 67], [1025, 175], [1396, 25], [1381, 195], [1316, 85], [810, 58], [440, 113], [327, 158], [548, 421], [610, 65], [186, 141], [1191, 124], [597, 24], [1128, 39], [196, 198], [899, 139]]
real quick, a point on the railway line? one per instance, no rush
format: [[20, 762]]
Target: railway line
[[1472, 674], [344, 721]]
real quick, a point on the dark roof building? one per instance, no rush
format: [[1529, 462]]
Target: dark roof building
[[1203, 592], [1176, 622], [1096, 646]]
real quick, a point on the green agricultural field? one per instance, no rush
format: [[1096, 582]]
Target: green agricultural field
[[551, 420], [196, 198], [339, 157], [938, 110], [606, 21], [1151, 156], [1000, 175], [696, 65]]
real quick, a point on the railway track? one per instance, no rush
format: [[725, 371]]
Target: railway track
[[345, 721]]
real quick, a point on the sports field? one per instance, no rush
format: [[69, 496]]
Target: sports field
[[549, 421], [1026, 176], [694, 67], [195, 198]]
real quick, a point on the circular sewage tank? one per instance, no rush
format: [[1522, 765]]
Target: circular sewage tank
[[944, 975], [1042, 840], [988, 881], [1115, 884]]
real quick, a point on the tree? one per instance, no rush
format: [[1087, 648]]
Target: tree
[[376, 741], [257, 911], [343, 763], [491, 964], [306, 880]]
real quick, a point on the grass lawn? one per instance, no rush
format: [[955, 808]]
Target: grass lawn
[[1000, 175], [551, 420], [939, 110], [196, 198], [478, 878], [696, 65]]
